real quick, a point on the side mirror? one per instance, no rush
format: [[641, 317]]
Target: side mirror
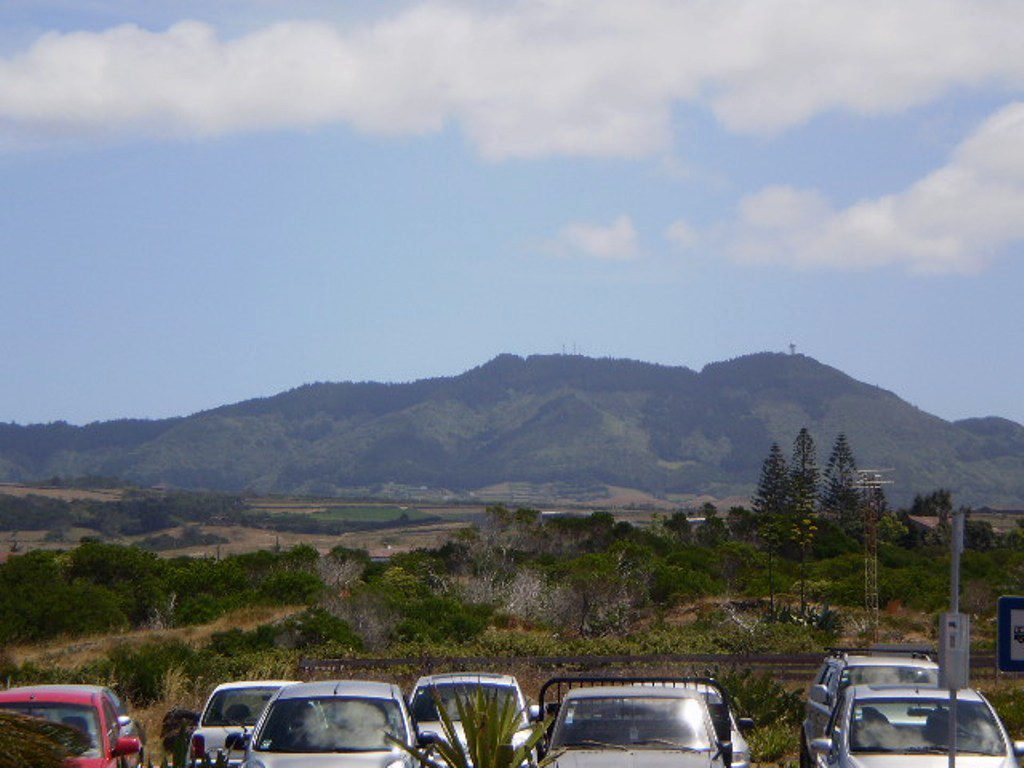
[[236, 740], [1018, 748], [821, 746], [745, 724], [428, 739], [819, 694], [533, 713], [127, 745]]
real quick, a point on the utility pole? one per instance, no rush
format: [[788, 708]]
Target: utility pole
[[870, 481]]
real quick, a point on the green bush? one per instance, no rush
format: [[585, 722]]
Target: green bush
[[140, 673]]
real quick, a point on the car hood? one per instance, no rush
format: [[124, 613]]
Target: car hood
[[632, 758], [328, 760], [437, 727], [930, 761]]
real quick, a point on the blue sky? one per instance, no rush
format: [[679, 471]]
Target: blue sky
[[204, 202]]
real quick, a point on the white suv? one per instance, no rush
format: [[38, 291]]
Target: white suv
[[891, 665]]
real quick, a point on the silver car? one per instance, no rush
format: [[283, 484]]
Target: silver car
[[842, 668], [335, 724], [446, 688], [880, 726], [654, 726], [231, 707]]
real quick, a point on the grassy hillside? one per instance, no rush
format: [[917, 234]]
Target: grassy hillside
[[540, 420]]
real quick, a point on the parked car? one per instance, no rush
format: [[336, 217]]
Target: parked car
[[901, 727], [896, 665], [91, 709], [335, 724], [737, 727], [231, 707], [446, 688], [609, 722]]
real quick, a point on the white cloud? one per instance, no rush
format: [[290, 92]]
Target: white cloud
[[524, 79], [953, 220], [614, 242], [681, 234]]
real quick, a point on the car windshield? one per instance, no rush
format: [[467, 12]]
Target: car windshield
[[331, 724], [237, 706], [922, 725], [644, 722], [889, 675], [80, 716], [424, 700]]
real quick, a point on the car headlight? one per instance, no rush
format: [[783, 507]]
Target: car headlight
[[399, 763]]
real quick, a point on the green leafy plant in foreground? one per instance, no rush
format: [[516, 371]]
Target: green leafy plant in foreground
[[489, 726]]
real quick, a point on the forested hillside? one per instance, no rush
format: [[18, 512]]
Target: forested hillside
[[576, 422]]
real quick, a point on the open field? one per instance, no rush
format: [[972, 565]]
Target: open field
[[64, 494]]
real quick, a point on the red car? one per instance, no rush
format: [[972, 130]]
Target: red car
[[90, 708]]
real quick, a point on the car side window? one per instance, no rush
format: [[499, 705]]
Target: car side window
[[113, 727], [823, 673], [835, 720], [828, 680]]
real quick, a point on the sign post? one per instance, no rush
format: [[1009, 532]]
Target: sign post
[[954, 636]]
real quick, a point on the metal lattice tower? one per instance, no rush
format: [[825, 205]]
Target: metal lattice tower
[[871, 482]]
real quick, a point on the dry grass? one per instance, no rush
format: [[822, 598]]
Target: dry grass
[[64, 494], [82, 650]]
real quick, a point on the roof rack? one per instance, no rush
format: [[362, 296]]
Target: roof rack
[[916, 651]]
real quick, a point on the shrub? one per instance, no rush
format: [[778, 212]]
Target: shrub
[[139, 673]]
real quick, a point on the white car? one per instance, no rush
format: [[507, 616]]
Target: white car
[[882, 726], [231, 708], [334, 724], [628, 725], [448, 687]]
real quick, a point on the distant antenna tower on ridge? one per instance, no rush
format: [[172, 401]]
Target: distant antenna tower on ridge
[[792, 348]]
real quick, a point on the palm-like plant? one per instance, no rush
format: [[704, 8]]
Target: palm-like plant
[[489, 724], [40, 743]]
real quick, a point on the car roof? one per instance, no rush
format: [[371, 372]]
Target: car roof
[[875, 691], [243, 684], [633, 691], [890, 661], [490, 678], [78, 694], [325, 688]]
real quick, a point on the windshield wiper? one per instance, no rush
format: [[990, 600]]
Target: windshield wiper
[[668, 743], [592, 743]]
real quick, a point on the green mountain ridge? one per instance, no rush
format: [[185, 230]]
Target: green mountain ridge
[[542, 419]]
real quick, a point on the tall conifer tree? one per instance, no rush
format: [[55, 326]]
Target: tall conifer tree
[[803, 491], [771, 505], [840, 498]]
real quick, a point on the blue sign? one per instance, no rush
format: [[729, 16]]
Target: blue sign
[[1010, 634]]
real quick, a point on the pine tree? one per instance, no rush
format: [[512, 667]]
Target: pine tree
[[803, 493], [771, 506], [840, 498]]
